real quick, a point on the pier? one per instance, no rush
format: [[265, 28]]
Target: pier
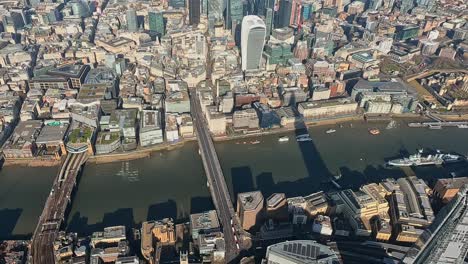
[[435, 124]]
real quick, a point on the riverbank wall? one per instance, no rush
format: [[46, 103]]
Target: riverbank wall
[[145, 152]]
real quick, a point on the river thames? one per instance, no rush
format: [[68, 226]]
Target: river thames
[[173, 184]]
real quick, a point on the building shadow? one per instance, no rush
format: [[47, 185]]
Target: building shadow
[[201, 204], [242, 181], [79, 224], [162, 210], [8, 220]]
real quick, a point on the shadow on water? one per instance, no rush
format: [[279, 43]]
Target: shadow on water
[[79, 224], [201, 204], [8, 220], [242, 181], [162, 210]]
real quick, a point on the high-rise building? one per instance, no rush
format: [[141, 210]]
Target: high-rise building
[[156, 22], [260, 7], [250, 208], [428, 4], [132, 20], [307, 10], [284, 13], [80, 8], [388, 4], [204, 7], [234, 13], [406, 6], [252, 42], [374, 5], [194, 12], [268, 21], [215, 9], [334, 3], [177, 3], [14, 21], [296, 12]]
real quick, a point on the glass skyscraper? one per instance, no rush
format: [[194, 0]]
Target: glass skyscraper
[[156, 22], [268, 22], [132, 20], [194, 12], [177, 3], [284, 13], [215, 9], [252, 42], [234, 12]]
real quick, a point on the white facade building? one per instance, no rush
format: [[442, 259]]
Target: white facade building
[[252, 42]]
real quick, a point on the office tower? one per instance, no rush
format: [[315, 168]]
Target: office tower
[[132, 20], [194, 12], [428, 4], [249, 7], [296, 12], [334, 3], [250, 208], [80, 8], [268, 22], [307, 10], [215, 9], [301, 51], [374, 5], [406, 6], [204, 7], [34, 3], [234, 13], [260, 7], [284, 13], [252, 42], [14, 21], [156, 22], [388, 4], [177, 3], [277, 207]]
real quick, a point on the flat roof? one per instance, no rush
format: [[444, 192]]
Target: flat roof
[[52, 133], [250, 200]]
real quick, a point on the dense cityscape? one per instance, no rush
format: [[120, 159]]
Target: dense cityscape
[[92, 82]]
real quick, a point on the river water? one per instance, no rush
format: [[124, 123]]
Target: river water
[[173, 184]]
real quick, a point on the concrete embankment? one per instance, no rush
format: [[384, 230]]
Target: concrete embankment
[[31, 162], [136, 154]]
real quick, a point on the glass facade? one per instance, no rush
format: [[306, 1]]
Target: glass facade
[[156, 22]]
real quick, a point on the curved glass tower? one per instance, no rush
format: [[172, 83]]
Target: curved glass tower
[[252, 42]]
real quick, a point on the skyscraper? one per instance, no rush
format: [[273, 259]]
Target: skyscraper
[[406, 6], [374, 5], [194, 12], [132, 20], [252, 42], [204, 7], [215, 9], [296, 12], [156, 22], [80, 8], [268, 21], [428, 4], [234, 13], [177, 3], [284, 13]]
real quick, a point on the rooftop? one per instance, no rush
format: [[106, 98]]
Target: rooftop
[[53, 132], [250, 200], [205, 220], [302, 251]]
